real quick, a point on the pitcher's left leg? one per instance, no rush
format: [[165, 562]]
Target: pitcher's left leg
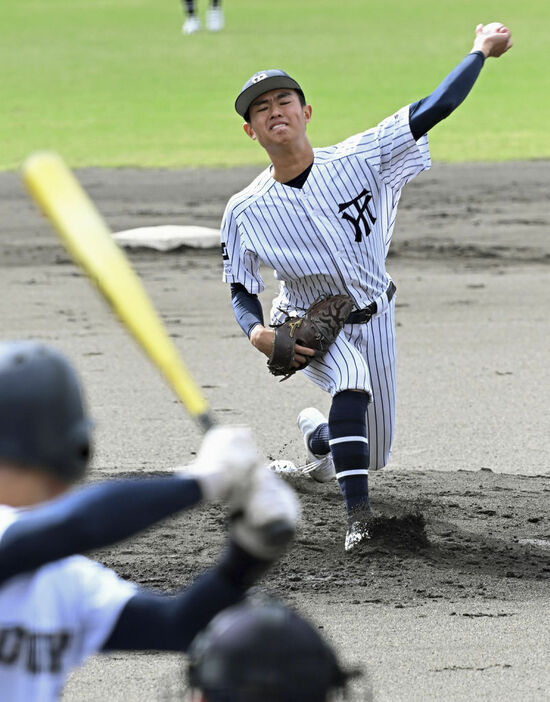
[[381, 358]]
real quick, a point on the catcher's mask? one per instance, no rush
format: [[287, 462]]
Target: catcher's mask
[[263, 652], [43, 422]]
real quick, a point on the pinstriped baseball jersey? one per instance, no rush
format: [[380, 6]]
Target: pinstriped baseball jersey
[[333, 234]]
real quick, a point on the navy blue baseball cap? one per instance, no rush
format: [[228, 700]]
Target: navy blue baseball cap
[[260, 83]]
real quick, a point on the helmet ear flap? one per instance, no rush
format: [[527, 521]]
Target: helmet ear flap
[[79, 447]]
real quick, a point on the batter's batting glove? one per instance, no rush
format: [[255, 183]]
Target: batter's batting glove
[[267, 523], [225, 465]]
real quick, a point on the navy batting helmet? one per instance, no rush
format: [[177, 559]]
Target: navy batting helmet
[[263, 652], [43, 422]]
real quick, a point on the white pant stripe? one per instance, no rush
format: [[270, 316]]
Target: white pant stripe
[[345, 439], [345, 473]]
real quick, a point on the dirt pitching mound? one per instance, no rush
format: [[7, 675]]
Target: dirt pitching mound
[[406, 532], [436, 536]]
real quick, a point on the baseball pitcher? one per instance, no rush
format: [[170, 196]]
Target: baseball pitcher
[[323, 219]]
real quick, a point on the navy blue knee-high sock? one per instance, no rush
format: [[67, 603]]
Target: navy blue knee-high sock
[[348, 443]]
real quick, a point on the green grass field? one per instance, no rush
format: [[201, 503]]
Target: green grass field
[[114, 83]]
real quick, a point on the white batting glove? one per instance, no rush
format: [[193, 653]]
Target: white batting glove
[[269, 518], [225, 464]]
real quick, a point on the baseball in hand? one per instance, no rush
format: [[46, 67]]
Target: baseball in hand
[[491, 28], [493, 39]]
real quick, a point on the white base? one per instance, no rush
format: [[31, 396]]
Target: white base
[[168, 237]]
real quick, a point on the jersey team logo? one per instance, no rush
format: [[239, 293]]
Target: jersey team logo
[[363, 212]]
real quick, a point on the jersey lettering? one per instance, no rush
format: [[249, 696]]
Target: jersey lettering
[[360, 218], [225, 255], [39, 653]]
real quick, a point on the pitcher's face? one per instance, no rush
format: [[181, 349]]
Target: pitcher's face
[[277, 117]]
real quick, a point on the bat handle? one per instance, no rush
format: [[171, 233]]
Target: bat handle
[[279, 533], [206, 421]]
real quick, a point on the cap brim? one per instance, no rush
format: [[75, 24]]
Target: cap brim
[[247, 97]]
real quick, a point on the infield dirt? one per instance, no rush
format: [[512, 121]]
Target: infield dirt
[[455, 610]]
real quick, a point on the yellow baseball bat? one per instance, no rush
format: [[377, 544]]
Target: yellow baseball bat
[[89, 241]]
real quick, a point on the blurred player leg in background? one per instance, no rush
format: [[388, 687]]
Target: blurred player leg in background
[[192, 23], [214, 17]]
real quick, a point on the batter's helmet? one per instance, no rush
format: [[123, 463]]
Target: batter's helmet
[[263, 652], [43, 422], [262, 82]]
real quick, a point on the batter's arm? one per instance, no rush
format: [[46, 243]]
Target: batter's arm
[[170, 622], [91, 518]]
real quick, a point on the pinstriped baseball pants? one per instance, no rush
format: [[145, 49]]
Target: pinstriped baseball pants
[[363, 358]]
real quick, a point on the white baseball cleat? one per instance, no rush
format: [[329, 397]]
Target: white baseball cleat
[[191, 25], [320, 468], [215, 19]]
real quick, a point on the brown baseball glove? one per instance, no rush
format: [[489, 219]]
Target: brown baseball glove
[[317, 329]]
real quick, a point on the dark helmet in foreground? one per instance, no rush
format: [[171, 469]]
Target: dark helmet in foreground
[[263, 652], [43, 421]]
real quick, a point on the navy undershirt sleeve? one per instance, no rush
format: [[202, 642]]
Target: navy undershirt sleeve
[[426, 113], [90, 518], [153, 621], [170, 622], [247, 308]]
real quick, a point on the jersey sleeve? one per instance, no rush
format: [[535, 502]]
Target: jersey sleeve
[[240, 265], [400, 156], [100, 596]]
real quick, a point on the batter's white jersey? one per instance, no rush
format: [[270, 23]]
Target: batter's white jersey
[[51, 620], [332, 236]]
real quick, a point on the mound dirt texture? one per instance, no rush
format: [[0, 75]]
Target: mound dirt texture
[[450, 599], [469, 541]]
